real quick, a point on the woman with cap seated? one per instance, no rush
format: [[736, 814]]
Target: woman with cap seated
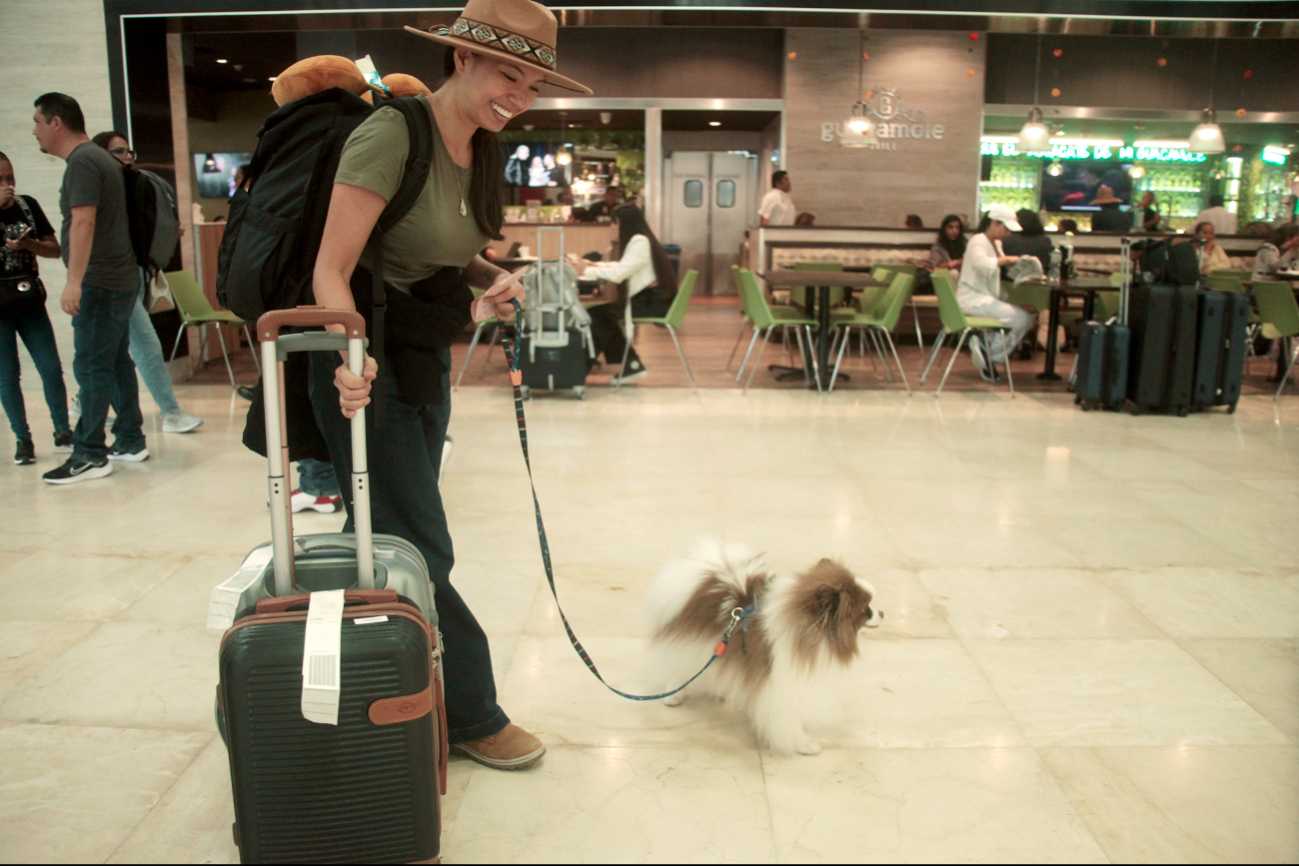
[[979, 290], [501, 52]]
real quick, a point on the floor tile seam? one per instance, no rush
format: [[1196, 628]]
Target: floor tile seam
[[1001, 699], [99, 624], [766, 799], [73, 723], [1230, 688], [161, 796]]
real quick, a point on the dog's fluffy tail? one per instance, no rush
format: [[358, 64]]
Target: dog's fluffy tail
[[681, 578]]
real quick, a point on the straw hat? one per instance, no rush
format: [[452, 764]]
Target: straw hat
[[1105, 195], [517, 30]]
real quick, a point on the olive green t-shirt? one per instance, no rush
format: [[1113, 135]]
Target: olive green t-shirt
[[433, 234]]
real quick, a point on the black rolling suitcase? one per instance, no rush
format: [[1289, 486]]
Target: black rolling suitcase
[[1163, 319], [1220, 356], [330, 693], [554, 353], [1103, 352]]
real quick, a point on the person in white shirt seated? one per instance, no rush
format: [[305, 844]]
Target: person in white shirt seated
[[1224, 222], [979, 290], [1278, 253], [647, 283], [776, 207]]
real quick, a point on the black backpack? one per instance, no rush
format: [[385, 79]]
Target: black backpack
[[1170, 263], [151, 218], [273, 231]]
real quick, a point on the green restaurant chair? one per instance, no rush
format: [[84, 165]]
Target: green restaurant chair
[[956, 322], [1280, 315], [896, 296], [478, 332], [195, 310], [765, 322], [672, 320]]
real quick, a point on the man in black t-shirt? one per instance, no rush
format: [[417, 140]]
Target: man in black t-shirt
[[27, 234], [102, 288]]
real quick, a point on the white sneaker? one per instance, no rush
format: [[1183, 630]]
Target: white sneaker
[[324, 504], [74, 410], [180, 422]]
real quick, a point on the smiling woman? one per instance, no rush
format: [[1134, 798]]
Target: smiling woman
[[501, 52]]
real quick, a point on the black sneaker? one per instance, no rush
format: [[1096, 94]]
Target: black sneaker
[[63, 442], [78, 470], [632, 372], [117, 452], [247, 393], [25, 455]]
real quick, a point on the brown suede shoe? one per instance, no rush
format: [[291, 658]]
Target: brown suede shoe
[[511, 749]]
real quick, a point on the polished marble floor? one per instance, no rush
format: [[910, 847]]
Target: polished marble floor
[[1090, 649]]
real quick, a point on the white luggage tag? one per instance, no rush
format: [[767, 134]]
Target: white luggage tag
[[228, 597], [321, 662]]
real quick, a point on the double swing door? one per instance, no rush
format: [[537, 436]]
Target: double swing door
[[710, 205]]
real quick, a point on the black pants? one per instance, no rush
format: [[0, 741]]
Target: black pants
[[607, 321], [405, 458]]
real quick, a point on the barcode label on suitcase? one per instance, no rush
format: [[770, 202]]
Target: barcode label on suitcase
[[322, 670], [321, 646]]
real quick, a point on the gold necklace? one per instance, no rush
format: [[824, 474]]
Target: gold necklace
[[464, 211]]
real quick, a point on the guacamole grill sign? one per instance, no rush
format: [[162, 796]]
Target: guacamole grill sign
[[892, 123]]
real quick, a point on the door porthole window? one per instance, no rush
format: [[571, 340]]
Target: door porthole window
[[694, 193], [726, 193]]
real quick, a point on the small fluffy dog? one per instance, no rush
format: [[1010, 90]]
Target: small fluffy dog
[[785, 663]]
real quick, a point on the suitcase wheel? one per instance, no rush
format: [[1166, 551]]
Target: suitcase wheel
[[1231, 410], [1183, 412], [1086, 405]]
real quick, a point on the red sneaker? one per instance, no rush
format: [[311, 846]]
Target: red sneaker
[[324, 504]]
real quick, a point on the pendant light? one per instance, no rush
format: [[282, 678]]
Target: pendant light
[[1035, 137], [1207, 137], [858, 128]]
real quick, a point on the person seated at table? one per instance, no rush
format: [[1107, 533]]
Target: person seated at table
[[949, 247], [602, 209], [1109, 218], [1212, 256], [979, 290], [805, 219], [913, 221], [1067, 226], [1031, 240], [647, 283], [1145, 216], [1277, 253]]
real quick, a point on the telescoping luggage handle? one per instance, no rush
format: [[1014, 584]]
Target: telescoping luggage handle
[[274, 350], [1125, 278]]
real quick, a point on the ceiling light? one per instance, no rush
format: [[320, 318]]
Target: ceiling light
[[1207, 137], [714, 123], [858, 131], [1034, 137], [223, 61], [210, 165]]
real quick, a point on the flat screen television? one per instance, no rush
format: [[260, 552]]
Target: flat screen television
[[1080, 181], [214, 173], [533, 164]]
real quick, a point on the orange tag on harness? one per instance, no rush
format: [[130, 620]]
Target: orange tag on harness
[[516, 378], [720, 648]]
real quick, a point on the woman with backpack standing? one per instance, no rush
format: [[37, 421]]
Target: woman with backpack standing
[[146, 349], [501, 52], [27, 234]]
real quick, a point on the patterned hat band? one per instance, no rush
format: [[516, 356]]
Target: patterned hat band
[[500, 39]]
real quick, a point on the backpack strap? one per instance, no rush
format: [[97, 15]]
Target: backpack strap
[[418, 159], [27, 213]]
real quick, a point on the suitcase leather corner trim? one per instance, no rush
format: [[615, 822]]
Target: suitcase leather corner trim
[[402, 708]]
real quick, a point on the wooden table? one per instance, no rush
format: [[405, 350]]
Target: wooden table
[[1084, 287], [820, 310]]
